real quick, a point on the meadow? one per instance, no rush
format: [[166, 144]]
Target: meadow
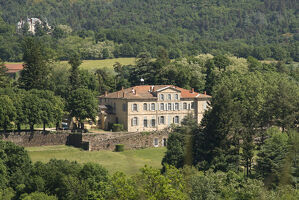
[[128, 162], [93, 65]]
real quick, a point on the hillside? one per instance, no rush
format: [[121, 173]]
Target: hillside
[[261, 28]]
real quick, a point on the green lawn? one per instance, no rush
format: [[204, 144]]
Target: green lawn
[[93, 65], [128, 162]]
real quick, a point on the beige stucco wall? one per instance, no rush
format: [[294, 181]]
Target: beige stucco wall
[[126, 116]]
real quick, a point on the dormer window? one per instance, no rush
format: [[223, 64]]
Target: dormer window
[[176, 97], [169, 96], [161, 96]]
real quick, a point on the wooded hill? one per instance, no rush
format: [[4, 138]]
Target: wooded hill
[[260, 28]]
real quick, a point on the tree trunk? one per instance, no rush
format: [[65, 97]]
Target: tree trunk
[[44, 127], [5, 127], [82, 126], [57, 126], [31, 127], [19, 127]]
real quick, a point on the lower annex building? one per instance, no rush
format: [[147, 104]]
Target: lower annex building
[[150, 107]]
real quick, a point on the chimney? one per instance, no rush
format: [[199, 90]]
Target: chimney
[[192, 90], [205, 92], [123, 94], [106, 93], [133, 91]]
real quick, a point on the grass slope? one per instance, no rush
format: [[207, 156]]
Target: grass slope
[[128, 162], [92, 65]]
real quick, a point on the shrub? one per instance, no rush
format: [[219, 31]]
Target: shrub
[[117, 127], [119, 147]]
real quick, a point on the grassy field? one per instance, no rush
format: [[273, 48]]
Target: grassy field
[[128, 162], [93, 65]]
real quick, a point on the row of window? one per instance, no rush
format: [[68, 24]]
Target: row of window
[[152, 122], [169, 97], [163, 106]]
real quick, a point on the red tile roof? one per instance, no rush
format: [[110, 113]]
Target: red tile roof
[[13, 68], [149, 92]]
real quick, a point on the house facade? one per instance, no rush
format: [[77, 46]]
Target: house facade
[[150, 107]]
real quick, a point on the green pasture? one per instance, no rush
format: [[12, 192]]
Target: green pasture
[[93, 65], [128, 162]]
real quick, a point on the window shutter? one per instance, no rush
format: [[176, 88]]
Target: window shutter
[[173, 106], [149, 107], [180, 105], [136, 121], [158, 120], [137, 107], [132, 107], [132, 121]]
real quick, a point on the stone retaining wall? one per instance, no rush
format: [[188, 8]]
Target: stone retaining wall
[[129, 140], [88, 141], [28, 139]]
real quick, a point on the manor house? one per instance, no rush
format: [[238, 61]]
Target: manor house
[[150, 107]]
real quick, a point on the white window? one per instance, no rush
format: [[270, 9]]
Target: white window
[[176, 96], [205, 105], [153, 106], [169, 96], [134, 107], [156, 142], [161, 106], [162, 120], [145, 106], [153, 122], [176, 120], [192, 105], [169, 106], [161, 96], [145, 123], [134, 121], [176, 106], [185, 106]]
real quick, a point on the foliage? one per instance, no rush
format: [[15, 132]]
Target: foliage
[[82, 104], [272, 158], [38, 196], [117, 127], [7, 112], [4, 80], [36, 65], [263, 29], [119, 147]]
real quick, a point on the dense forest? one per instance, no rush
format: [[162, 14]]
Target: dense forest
[[100, 29]]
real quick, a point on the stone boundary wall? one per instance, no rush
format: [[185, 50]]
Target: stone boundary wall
[[136, 140], [37, 138], [88, 141]]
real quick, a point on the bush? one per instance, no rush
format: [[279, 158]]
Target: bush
[[117, 127], [119, 147]]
